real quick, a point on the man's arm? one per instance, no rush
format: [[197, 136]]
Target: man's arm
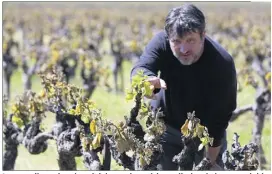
[[223, 103]]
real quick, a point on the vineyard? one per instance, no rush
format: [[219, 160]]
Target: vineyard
[[69, 102]]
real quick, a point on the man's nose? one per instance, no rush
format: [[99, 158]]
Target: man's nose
[[183, 49]]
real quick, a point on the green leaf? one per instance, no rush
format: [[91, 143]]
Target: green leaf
[[93, 127], [199, 130], [184, 128], [129, 96], [42, 127], [142, 161], [85, 118], [96, 143], [140, 73], [136, 79], [143, 109], [148, 88], [15, 109], [17, 120], [78, 109], [72, 111], [204, 140], [143, 91]]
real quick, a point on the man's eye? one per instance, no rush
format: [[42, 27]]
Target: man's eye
[[175, 41], [191, 41]]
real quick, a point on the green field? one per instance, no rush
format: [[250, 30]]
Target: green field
[[115, 107]]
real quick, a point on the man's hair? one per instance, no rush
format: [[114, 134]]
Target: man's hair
[[184, 19]]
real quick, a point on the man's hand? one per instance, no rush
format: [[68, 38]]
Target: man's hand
[[212, 153], [156, 83]]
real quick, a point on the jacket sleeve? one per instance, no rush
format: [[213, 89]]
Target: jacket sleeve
[[150, 60], [223, 102]]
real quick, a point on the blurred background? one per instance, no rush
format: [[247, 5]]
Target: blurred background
[[98, 42]]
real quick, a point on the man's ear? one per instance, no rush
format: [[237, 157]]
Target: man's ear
[[203, 35]]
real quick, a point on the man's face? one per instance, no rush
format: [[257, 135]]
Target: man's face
[[189, 48]]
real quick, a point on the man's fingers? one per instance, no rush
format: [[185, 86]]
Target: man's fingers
[[163, 84], [152, 87], [157, 82]]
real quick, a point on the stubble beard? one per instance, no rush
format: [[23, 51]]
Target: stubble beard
[[187, 62], [191, 60]]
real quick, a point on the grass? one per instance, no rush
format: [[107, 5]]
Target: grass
[[114, 108]]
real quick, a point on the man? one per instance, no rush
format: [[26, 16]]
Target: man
[[196, 74]]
